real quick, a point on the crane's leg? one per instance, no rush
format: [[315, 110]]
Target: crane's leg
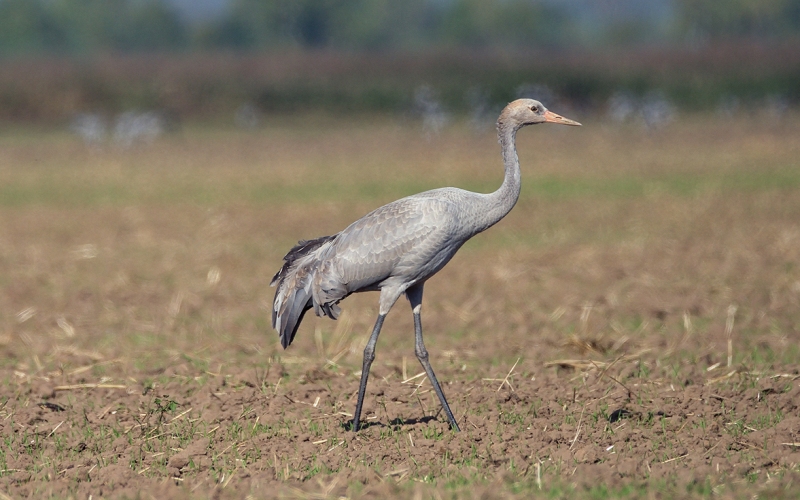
[[369, 356], [414, 295]]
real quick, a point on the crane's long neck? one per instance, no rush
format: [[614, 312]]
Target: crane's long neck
[[496, 205]]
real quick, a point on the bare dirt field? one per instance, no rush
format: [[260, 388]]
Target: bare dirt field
[[630, 330]]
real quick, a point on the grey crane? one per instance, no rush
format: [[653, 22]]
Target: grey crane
[[396, 248]]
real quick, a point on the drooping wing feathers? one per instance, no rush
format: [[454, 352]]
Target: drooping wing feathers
[[297, 308], [293, 296], [302, 248], [400, 241]]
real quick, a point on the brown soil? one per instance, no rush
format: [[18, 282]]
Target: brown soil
[[627, 344], [564, 427]]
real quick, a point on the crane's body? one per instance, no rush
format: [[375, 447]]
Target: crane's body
[[396, 248], [390, 249]]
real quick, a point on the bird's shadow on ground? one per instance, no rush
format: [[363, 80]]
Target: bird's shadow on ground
[[396, 424]]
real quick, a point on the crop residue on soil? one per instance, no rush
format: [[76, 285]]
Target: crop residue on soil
[[248, 431], [629, 330]]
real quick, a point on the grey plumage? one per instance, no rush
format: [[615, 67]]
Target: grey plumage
[[288, 319], [397, 247]]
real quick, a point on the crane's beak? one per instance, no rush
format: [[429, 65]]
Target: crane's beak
[[551, 117]]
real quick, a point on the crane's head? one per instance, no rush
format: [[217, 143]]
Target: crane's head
[[529, 112]]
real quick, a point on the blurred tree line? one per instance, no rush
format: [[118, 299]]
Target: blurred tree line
[[85, 26], [77, 26], [738, 18]]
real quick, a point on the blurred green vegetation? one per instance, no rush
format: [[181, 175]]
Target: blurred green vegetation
[[85, 26], [63, 57], [214, 85], [734, 18], [81, 26]]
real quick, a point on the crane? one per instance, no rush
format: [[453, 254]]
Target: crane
[[395, 248]]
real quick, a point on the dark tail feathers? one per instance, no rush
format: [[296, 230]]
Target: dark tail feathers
[[290, 305], [300, 303]]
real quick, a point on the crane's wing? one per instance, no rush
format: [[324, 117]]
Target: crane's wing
[[399, 240]]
